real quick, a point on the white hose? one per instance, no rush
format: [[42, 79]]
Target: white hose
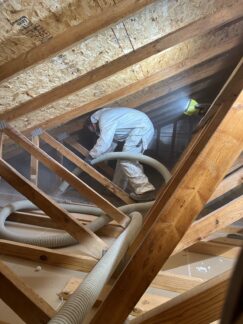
[[135, 157], [57, 240], [121, 156], [79, 304]]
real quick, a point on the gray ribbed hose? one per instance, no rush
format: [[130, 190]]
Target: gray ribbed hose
[[79, 304], [57, 240]]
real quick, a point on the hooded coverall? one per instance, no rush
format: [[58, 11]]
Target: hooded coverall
[[131, 126]]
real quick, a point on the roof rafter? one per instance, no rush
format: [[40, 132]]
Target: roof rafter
[[193, 74], [71, 36], [196, 28]]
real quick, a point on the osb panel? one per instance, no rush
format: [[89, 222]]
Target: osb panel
[[152, 22], [91, 93], [95, 51], [27, 23], [104, 47], [165, 16], [189, 48], [126, 77]]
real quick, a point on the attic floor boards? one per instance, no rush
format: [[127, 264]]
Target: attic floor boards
[[50, 280]]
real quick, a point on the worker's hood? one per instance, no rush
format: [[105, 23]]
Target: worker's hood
[[96, 116]]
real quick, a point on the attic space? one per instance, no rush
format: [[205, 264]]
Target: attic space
[[121, 161]]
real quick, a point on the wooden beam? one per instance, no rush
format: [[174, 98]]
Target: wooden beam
[[22, 299], [229, 241], [196, 28], [237, 164], [175, 282], [82, 188], [196, 74], [47, 256], [227, 96], [146, 303], [71, 36], [91, 171], [217, 146], [229, 182], [211, 223], [34, 163], [191, 76], [215, 249], [64, 220], [203, 304], [83, 151]]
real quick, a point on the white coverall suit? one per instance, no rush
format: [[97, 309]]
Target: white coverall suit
[[129, 125]]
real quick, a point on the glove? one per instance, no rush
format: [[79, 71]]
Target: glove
[[88, 159]]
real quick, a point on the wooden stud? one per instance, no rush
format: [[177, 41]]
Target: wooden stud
[[211, 223], [64, 220], [229, 241], [86, 168], [229, 182], [215, 249], [70, 37], [175, 282], [146, 303], [34, 163], [193, 29], [69, 288], [201, 305], [237, 164], [47, 256], [22, 299], [82, 188], [219, 144]]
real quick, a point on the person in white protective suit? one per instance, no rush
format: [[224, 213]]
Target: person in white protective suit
[[136, 130]]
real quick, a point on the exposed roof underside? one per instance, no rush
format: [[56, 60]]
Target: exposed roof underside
[[195, 66]]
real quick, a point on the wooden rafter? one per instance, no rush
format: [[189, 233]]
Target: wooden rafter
[[64, 220], [215, 249], [202, 304], [48, 256], [22, 299], [197, 28], [182, 80], [229, 182], [216, 220], [86, 167], [191, 76], [217, 146], [83, 189], [71, 36]]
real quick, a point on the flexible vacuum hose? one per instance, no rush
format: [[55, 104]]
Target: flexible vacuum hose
[[135, 157], [123, 156], [57, 240], [78, 305]]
